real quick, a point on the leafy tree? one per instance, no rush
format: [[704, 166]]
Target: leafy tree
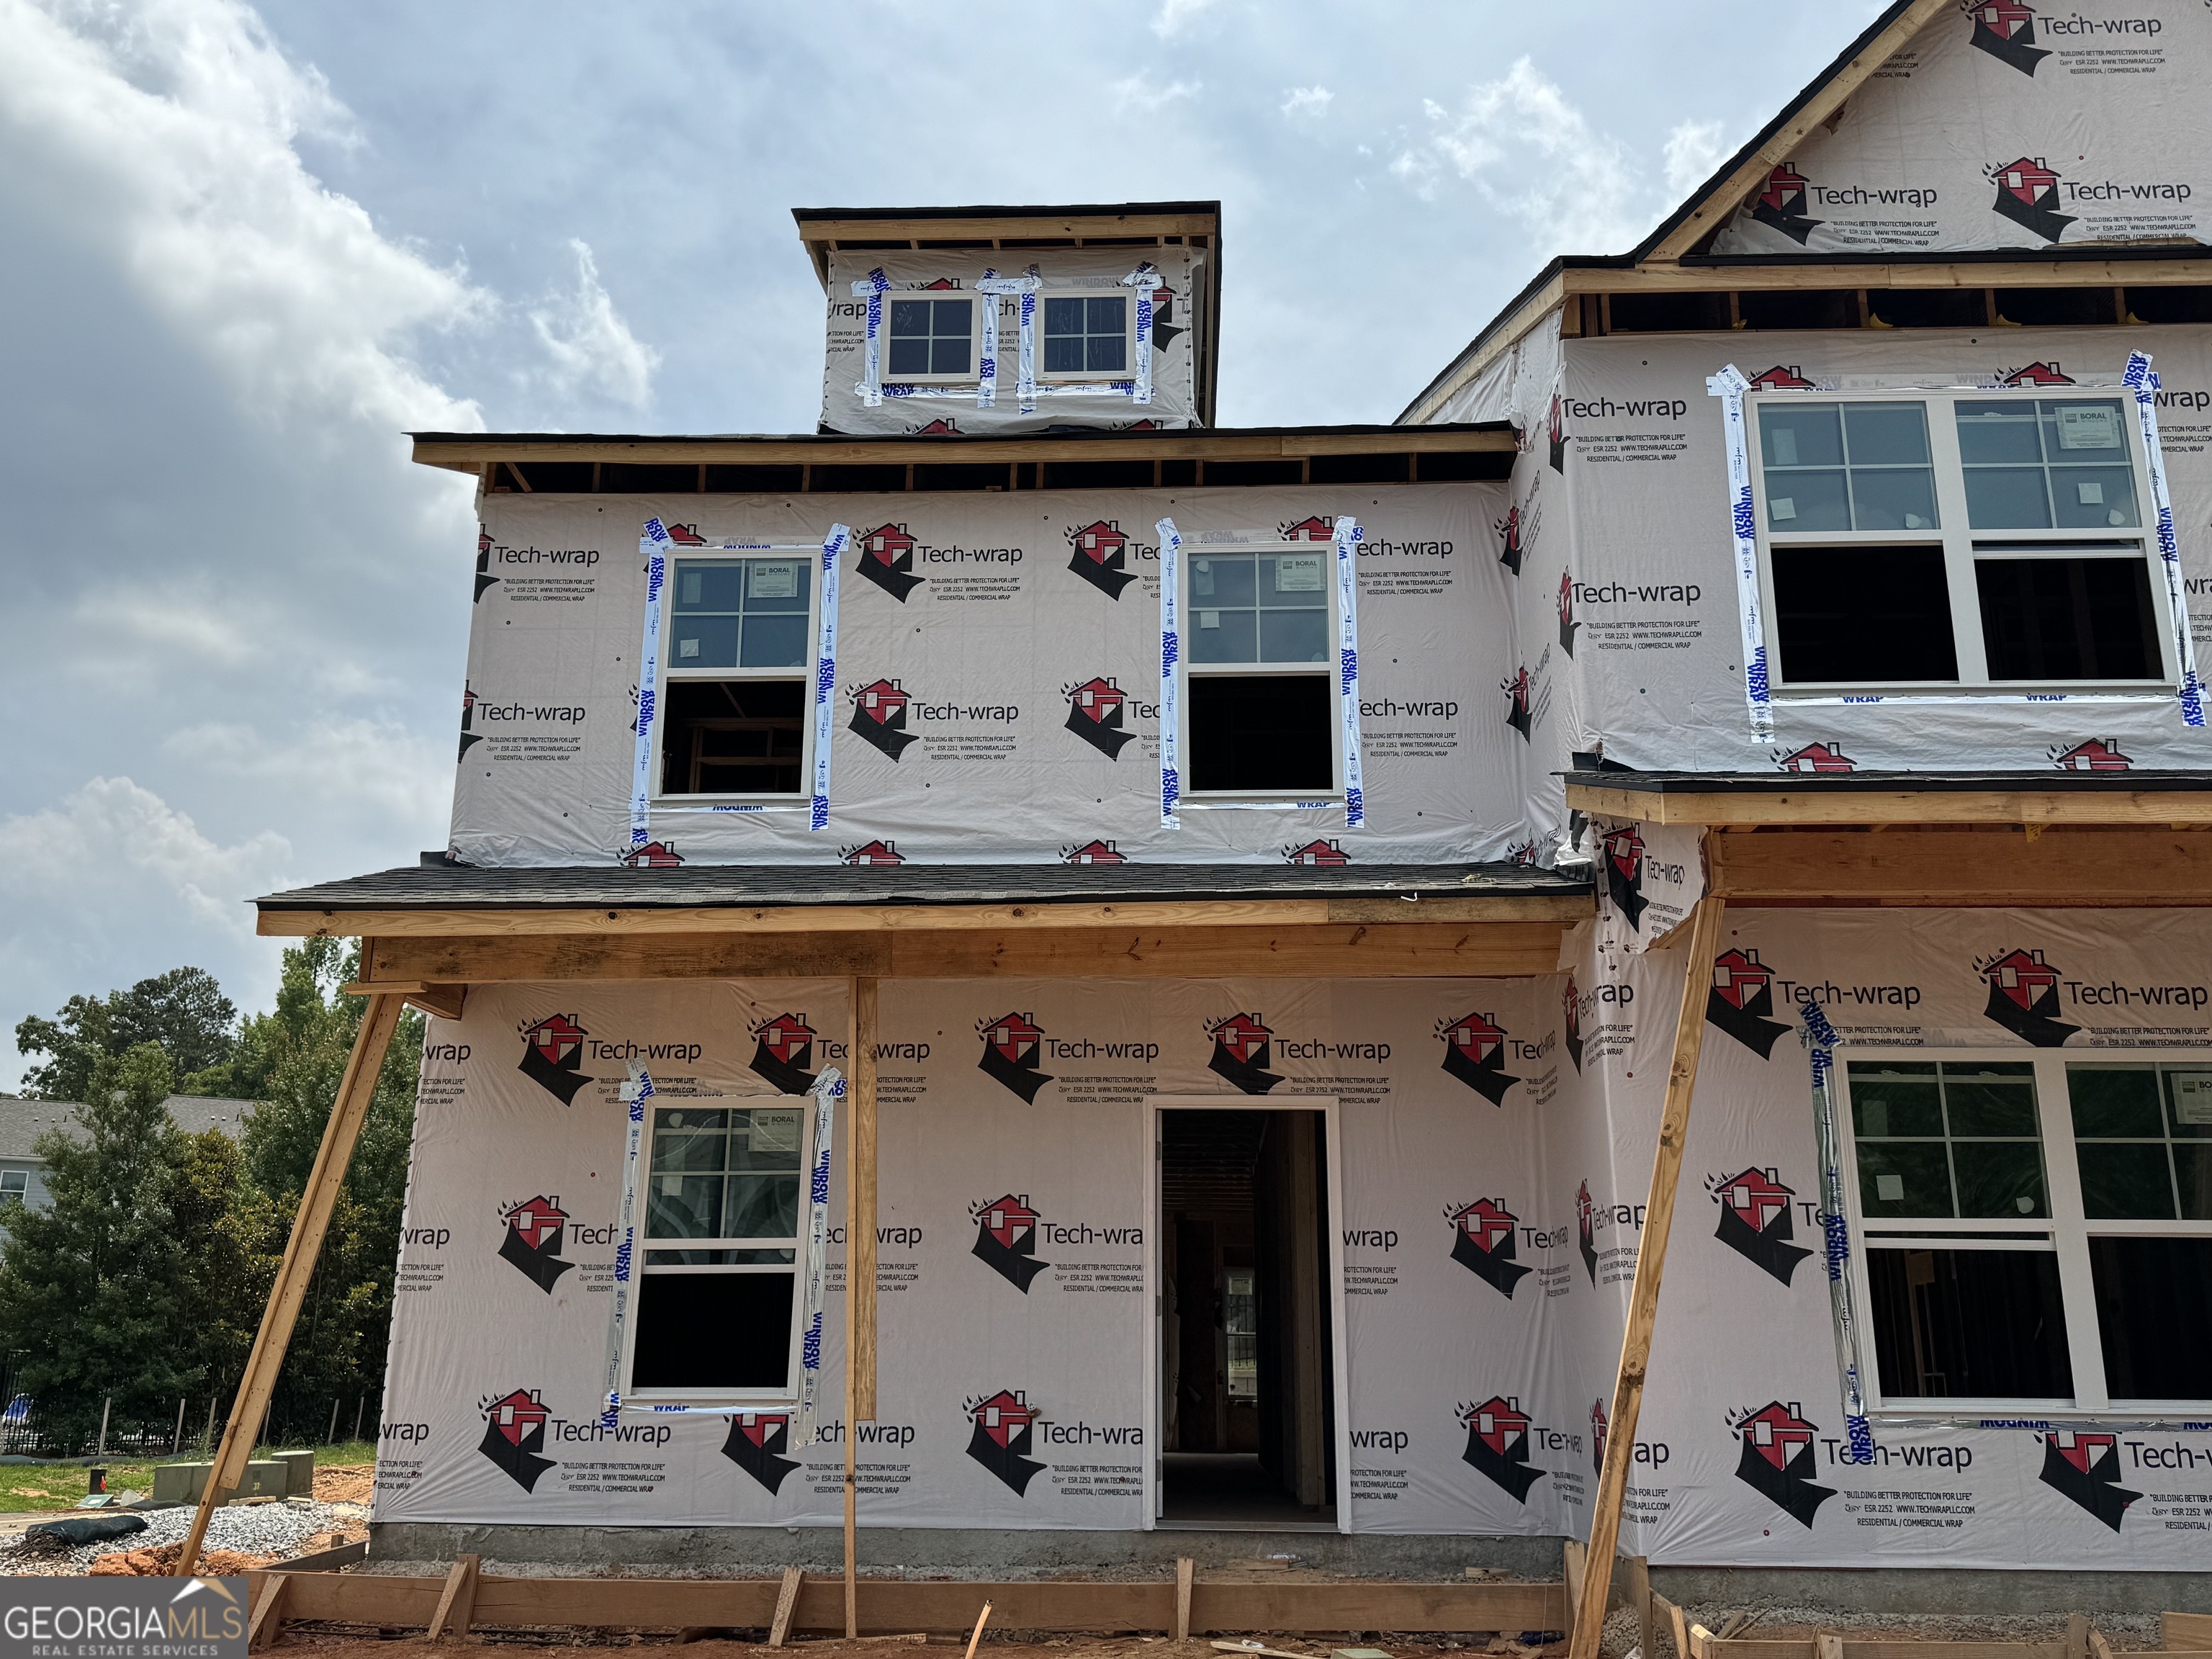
[[183, 1011], [233, 1238]]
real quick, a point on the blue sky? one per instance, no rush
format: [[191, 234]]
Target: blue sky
[[242, 250]]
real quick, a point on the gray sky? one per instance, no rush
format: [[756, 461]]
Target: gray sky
[[242, 250]]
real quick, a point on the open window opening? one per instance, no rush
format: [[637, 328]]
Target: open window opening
[[1261, 714], [1247, 1383], [733, 700]]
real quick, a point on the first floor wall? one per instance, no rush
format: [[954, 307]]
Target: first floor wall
[[1452, 1324]]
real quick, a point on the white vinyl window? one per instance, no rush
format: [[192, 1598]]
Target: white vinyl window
[[1086, 336], [722, 1194], [2033, 1232], [1992, 541], [930, 338], [1260, 706], [738, 656], [14, 1185]]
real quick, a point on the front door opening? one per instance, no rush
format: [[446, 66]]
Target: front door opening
[[1248, 1416]]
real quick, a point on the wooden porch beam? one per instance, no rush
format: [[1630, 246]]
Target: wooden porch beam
[[2066, 866], [444, 1001], [1813, 807], [860, 1272]]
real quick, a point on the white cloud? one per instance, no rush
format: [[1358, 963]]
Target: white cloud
[[591, 346], [1310, 102], [1145, 92], [1177, 16], [377, 767], [1693, 151]]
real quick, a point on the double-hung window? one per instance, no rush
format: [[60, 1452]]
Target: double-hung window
[[1985, 541], [1260, 704], [1086, 337], [717, 1299], [739, 646], [2034, 1231], [931, 340], [15, 1185]]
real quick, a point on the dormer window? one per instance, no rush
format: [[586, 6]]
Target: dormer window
[[1085, 336], [931, 340]]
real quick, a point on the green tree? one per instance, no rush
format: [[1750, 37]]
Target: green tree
[[96, 1291], [183, 1011], [233, 1238]]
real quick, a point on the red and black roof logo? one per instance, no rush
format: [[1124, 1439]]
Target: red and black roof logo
[[553, 1056], [1241, 1052], [1573, 1017], [1556, 434], [879, 716], [1517, 702], [1740, 1001], [872, 852], [1509, 548], [1093, 851], [2086, 1467], [1621, 856], [1568, 625], [1497, 1445], [2028, 194], [1586, 1230], [886, 559], [1318, 854], [1483, 1243], [514, 1433], [1778, 1461], [684, 535], [1780, 204], [1816, 757], [783, 1048], [1598, 1426], [1310, 530], [756, 1444], [1012, 1045], [1781, 377], [2006, 30], [1756, 1223], [2024, 998], [469, 738], [534, 1232], [2039, 374], [1000, 1439], [653, 856], [1098, 552], [485, 578], [1005, 1239], [943, 427], [1475, 1052], [1094, 715], [2097, 755]]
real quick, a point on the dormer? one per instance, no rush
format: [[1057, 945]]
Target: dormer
[[948, 321]]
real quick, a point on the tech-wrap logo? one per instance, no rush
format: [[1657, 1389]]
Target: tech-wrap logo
[[2096, 754], [1093, 851], [1094, 715], [1780, 204], [653, 856], [1517, 713], [2024, 997], [1314, 529], [1482, 1242], [1099, 553], [1756, 1220], [535, 1231], [1012, 1045], [1571, 1018], [2006, 30], [553, 1056], [1005, 1239], [1782, 378], [1586, 1230], [1497, 1445], [485, 578], [514, 1433], [1241, 1052], [2036, 374], [2028, 194], [883, 853], [1555, 436], [1318, 855], [1815, 759], [2085, 1468], [1622, 855], [943, 427], [1475, 1052], [1511, 546], [756, 1445], [783, 1048], [1740, 1001], [1568, 625], [469, 738], [1778, 1462], [879, 716], [886, 558], [1000, 1440]]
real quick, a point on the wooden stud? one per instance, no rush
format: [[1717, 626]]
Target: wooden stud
[[1828, 1645], [861, 1217], [257, 1386], [976, 1635], [787, 1603], [1643, 1294], [1574, 1566], [1639, 1597], [1678, 1627], [457, 1598], [1185, 1576], [268, 1619], [445, 1001], [2099, 1647], [2186, 1630], [1605, 313], [520, 483], [2077, 1636]]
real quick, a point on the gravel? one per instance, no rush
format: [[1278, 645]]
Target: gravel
[[252, 1529]]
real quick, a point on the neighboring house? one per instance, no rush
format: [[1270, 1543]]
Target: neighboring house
[[22, 1171]]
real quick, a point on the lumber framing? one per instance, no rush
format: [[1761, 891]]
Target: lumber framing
[[340, 1135], [444, 1001], [860, 1271], [2116, 807], [1473, 950], [426, 922], [2066, 866], [1596, 1585]]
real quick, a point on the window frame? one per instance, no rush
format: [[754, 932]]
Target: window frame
[[1958, 542], [1326, 671], [969, 376], [802, 674], [2067, 1229], [18, 1194], [639, 1201], [1088, 376]]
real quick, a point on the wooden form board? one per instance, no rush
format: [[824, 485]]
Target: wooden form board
[[890, 1606], [2068, 865], [2161, 807], [1478, 950]]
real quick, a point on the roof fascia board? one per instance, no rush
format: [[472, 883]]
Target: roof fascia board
[[2110, 268]]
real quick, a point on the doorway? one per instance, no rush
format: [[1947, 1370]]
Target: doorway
[[1246, 1344]]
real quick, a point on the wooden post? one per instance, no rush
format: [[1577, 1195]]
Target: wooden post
[[1639, 1597], [259, 1384], [267, 1622], [860, 1271], [457, 1601], [787, 1603], [1644, 1295], [1186, 1572]]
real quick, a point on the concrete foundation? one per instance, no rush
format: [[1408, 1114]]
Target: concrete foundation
[[1965, 1590]]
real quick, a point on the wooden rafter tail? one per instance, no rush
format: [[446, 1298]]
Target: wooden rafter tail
[[1596, 1586], [333, 1159]]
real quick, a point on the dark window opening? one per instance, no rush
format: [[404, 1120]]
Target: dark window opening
[[1667, 313], [554, 477], [858, 478], [709, 1330], [1357, 469], [1251, 732], [2183, 303], [959, 475], [1253, 472], [1098, 475], [2153, 1303], [1790, 308], [1863, 616], [2068, 619], [1462, 465], [1969, 1324], [1178, 474], [733, 737], [2054, 307], [631, 479], [1927, 307], [754, 480]]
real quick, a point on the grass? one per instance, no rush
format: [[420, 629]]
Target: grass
[[26, 1489]]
